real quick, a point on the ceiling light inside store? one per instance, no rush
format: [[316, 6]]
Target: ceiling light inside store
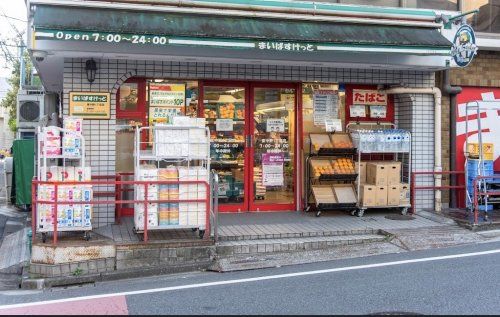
[[226, 99], [158, 80]]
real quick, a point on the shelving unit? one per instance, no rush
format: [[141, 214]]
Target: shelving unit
[[339, 192], [367, 143], [48, 158], [179, 147]]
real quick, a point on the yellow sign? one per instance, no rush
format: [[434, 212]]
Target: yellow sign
[[90, 105], [165, 102]]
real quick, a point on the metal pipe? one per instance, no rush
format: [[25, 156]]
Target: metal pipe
[[452, 92], [436, 92], [187, 7]]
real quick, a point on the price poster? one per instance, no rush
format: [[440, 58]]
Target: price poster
[[165, 102], [325, 106], [275, 125], [224, 125], [272, 169], [378, 111]]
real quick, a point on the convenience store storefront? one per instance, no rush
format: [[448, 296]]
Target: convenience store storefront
[[254, 79]]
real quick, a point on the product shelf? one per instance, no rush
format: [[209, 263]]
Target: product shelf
[[53, 139], [194, 142]]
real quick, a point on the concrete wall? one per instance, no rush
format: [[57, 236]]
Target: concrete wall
[[100, 134]]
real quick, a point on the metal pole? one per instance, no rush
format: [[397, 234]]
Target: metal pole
[[33, 211], [54, 212]]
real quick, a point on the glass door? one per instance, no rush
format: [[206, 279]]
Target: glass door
[[225, 108], [273, 162]]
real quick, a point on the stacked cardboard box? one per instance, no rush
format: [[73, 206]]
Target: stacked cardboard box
[[383, 185]]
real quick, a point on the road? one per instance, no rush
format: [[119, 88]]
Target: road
[[458, 280]]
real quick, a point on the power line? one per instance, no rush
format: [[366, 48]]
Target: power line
[[9, 17]]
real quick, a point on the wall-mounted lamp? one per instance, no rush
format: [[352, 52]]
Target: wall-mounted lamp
[[91, 69]]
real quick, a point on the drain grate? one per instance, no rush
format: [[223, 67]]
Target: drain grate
[[399, 217]]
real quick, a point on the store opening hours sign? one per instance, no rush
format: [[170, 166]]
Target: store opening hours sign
[[272, 169]]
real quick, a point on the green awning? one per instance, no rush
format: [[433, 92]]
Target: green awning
[[198, 28]]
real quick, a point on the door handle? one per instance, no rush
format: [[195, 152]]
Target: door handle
[[249, 141]]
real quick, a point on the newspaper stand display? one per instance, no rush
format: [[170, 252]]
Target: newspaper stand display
[[61, 201], [179, 151], [367, 143]]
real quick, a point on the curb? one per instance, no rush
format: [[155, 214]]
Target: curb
[[42, 283]]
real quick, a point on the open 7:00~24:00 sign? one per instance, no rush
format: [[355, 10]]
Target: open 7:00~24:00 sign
[[113, 38]]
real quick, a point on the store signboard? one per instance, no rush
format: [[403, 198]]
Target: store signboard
[[165, 102], [224, 125], [272, 169], [275, 125], [368, 97], [325, 106], [90, 105], [464, 46]]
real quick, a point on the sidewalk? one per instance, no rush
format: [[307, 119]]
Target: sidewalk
[[246, 241], [14, 251]]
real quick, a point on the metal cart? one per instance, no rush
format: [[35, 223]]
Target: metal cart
[[44, 161], [367, 143], [483, 184], [193, 152]]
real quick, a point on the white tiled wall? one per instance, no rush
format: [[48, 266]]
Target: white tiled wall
[[100, 134], [415, 112]]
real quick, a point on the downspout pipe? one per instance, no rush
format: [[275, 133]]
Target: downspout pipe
[[436, 92], [452, 92]]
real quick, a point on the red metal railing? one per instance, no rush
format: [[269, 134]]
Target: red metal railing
[[117, 184], [414, 188], [477, 194]]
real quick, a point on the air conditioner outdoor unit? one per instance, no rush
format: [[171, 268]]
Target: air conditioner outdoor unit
[[32, 105]]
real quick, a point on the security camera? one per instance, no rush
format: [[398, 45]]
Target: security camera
[[39, 55]]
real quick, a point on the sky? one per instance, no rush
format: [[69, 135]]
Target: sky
[[14, 9]]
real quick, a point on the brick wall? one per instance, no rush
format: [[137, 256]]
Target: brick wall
[[100, 134]]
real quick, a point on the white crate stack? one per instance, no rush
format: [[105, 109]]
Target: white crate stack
[[184, 148]]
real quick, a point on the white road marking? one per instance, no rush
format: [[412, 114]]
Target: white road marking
[[252, 279]]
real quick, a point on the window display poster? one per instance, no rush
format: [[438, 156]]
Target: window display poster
[[325, 106], [165, 102], [272, 169], [275, 125], [333, 125], [224, 125]]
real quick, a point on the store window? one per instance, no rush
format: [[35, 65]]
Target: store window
[[308, 115], [488, 18]]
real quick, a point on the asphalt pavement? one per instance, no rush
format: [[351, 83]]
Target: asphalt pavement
[[458, 280]]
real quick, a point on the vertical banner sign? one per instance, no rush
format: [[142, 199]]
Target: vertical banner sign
[[272, 169], [165, 102], [325, 106]]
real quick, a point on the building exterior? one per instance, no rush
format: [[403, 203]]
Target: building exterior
[[252, 56], [478, 82], [6, 135]]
